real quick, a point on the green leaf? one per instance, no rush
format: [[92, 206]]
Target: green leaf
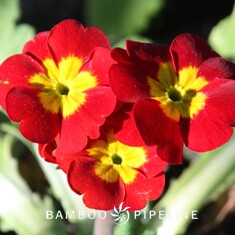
[[3, 116], [126, 228], [12, 36], [208, 176], [21, 210], [9, 11], [121, 17], [59, 187], [149, 232], [222, 37]]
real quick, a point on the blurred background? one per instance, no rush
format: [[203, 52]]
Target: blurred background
[[162, 21], [29, 186]]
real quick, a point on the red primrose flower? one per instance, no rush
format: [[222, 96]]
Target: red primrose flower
[[181, 94]]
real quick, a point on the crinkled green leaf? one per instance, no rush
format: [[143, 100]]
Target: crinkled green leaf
[[222, 36], [13, 36], [121, 17], [21, 210]]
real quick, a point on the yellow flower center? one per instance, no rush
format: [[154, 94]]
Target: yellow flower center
[[63, 87], [117, 160], [179, 96]]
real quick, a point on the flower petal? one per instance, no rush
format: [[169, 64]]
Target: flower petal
[[146, 56], [215, 68], [190, 50], [70, 38], [120, 55], [221, 94], [211, 127], [63, 160], [128, 78], [37, 125], [123, 125], [157, 129], [98, 64], [38, 48], [148, 53], [16, 71], [100, 103], [47, 151], [154, 165], [97, 193], [128, 82], [143, 189]]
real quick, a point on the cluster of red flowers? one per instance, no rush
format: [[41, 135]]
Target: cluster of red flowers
[[113, 119]]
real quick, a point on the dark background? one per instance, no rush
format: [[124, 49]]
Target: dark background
[[177, 16]]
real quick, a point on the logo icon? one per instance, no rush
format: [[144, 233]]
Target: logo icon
[[121, 215]]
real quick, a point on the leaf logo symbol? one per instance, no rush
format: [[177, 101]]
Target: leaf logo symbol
[[120, 215]]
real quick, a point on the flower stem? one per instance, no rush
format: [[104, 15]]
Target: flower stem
[[104, 226]]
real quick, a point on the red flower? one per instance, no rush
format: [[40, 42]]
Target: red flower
[[182, 94], [47, 151], [108, 172], [57, 88]]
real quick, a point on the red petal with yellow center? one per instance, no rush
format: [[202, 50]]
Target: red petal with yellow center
[[211, 127], [97, 193], [146, 189], [98, 65], [70, 38], [100, 102], [123, 125], [128, 78], [38, 48], [190, 50], [16, 71], [37, 124], [157, 129]]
